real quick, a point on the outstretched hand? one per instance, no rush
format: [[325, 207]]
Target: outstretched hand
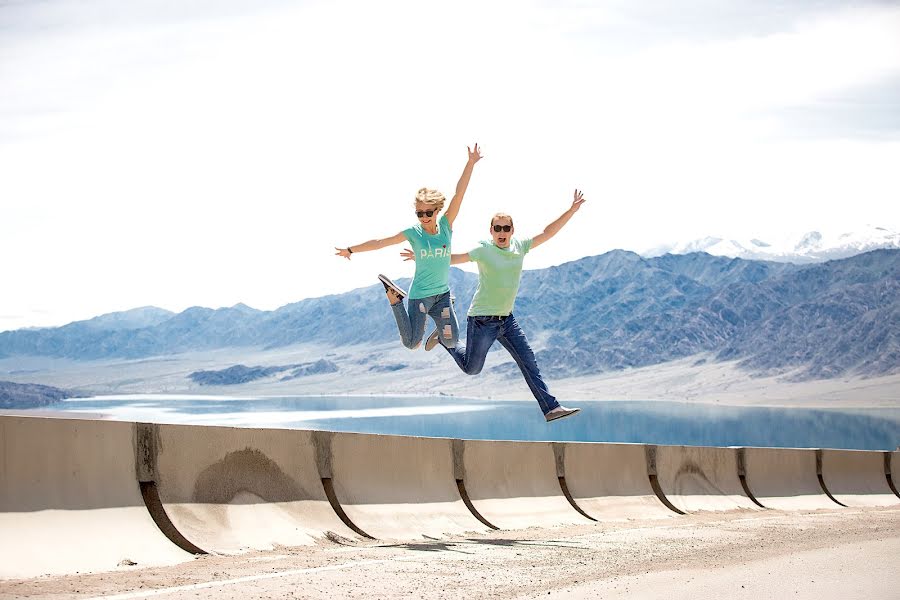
[[408, 254], [345, 252], [577, 201], [474, 155]]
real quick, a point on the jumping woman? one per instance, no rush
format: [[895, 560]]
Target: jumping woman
[[430, 238]]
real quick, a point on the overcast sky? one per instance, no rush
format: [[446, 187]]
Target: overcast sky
[[207, 153]]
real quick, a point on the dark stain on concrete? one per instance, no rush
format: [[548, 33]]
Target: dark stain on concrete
[[690, 469], [250, 471]]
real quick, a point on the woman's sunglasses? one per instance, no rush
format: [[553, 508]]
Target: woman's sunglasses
[[499, 228], [424, 213]]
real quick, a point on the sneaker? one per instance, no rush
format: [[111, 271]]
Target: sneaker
[[390, 285], [432, 341], [560, 412]]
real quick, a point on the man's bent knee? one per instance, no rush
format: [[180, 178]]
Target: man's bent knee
[[474, 369]]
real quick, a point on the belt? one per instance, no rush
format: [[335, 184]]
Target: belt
[[491, 317]]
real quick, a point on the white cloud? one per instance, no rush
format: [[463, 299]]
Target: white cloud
[[182, 159]]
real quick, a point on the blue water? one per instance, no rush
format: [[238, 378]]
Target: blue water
[[600, 421]]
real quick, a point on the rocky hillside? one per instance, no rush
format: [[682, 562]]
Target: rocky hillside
[[30, 395], [595, 314]]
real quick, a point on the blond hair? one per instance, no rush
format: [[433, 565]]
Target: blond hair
[[431, 197], [501, 216]]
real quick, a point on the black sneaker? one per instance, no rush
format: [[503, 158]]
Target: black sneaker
[[390, 285], [560, 412]]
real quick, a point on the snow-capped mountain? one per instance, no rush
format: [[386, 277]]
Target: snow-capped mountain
[[810, 247]]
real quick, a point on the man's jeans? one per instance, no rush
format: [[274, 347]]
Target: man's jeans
[[412, 325], [481, 333]]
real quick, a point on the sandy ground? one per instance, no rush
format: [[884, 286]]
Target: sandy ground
[[859, 570], [695, 379], [845, 553]]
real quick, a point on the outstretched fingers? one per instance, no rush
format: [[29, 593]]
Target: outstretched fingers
[[578, 200], [345, 252], [474, 155]]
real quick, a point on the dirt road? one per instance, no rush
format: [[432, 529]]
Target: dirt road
[[767, 554]]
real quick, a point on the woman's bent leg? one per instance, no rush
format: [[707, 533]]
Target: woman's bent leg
[[418, 310], [408, 323], [445, 320]]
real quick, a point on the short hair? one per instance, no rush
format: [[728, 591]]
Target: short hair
[[501, 216], [430, 197]]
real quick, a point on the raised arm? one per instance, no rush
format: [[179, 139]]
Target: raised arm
[[554, 227], [370, 245], [462, 184], [455, 259]]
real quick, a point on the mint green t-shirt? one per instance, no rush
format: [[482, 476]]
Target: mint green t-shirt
[[499, 273], [432, 259]]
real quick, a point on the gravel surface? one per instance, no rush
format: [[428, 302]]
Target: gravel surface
[[849, 553]]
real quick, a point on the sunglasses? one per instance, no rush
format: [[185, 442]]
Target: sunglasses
[[499, 228], [424, 213]]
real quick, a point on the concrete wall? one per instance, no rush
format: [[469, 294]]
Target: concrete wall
[[857, 478], [514, 484], [785, 479], [70, 501], [697, 478], [84, 495], [395, 487], [230, 489], [610, 481]]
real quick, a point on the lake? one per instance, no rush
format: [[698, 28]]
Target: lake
[[600, 421]]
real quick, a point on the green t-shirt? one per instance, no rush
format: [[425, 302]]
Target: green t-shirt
[[499, 273], [432, 259]]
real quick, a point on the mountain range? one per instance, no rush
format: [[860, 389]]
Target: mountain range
[[810, 247], [596, 314]]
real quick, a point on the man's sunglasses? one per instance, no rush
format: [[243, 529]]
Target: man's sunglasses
[[499, 228], [424, 213]]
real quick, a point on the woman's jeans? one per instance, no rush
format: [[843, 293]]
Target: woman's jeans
[[481, 333], [412, 325]]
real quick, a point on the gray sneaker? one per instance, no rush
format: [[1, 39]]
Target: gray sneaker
[[432, 341], [390, 285], [560, 412]]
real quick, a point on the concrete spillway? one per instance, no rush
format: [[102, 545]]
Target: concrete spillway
[[85, 495]]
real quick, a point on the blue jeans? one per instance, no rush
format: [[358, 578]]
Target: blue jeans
[[481, 333], [412, 324]]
